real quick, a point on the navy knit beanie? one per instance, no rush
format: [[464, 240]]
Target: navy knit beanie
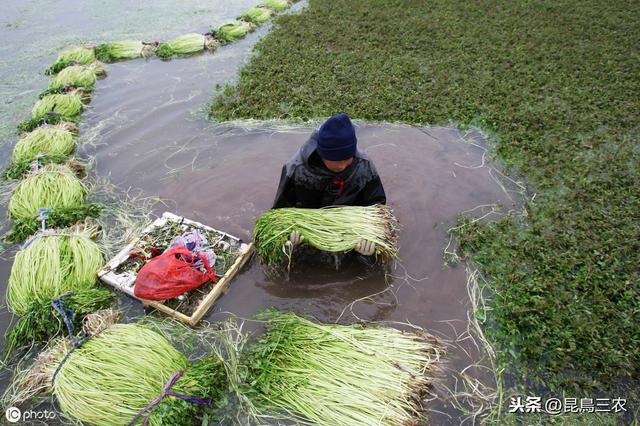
[[337, 138]]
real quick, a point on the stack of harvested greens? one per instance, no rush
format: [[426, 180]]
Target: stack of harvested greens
[[49, 140], [51, 264], [53, 186], [187, 44], [78, 76], [72, 56], [258, 15], [66, 106], [277, 5], [335, 375], [334, 230], [122, 50], [232, 31], [130, 374]]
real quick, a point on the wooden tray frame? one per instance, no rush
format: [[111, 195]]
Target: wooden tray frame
[[124, 282]]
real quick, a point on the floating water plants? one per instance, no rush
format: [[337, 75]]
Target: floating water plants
[[78, 76], [277, 5], [258, 15], [187, 44], [232, 31], [53, 186], [51, 264], [129, 374], [122, 50], [335, 375], [67, 106], [47, 140], [72, 56], [335, 230]]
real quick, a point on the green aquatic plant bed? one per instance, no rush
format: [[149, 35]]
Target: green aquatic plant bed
[[556, 83]]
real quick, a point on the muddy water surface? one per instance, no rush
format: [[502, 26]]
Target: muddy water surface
[[148, 130]]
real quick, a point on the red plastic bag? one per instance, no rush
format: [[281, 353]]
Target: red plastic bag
[[171, 274]]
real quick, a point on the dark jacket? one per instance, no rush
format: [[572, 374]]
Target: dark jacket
[[306, 182]]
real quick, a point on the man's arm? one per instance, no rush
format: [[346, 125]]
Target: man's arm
[[286, 194], [372, 193]]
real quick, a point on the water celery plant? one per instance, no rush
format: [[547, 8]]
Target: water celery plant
[[78, 76], [336, 375], [232, 31], [53, 186], [51, 264], [258, 15], [118, 377], [67, 106], [333, 230], [122, 50], [277, 5], [187, 44], [45, 140], [72, 56]]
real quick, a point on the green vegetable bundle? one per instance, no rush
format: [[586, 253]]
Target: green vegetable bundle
[[333, 230], [277, 5], [51, 264], [41, 322], [114, 378], [187, 44], [79, 76], [232, 31], [61, 217], [72, 56], [122, 50], [53, 186], [45, 140], [258, 15], [335, 375], [67, 106]]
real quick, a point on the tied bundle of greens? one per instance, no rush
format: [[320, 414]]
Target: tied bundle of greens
[[232, 31], [61, 217], [277, 5], [334, 230], [127, 374], [67, 106], [78, 76], [335, 375], [53, 186], [41, 321], [72, 56], [187, 44], [258, 15], [47, 141], [123, 50], [54, 264], [51, 264]]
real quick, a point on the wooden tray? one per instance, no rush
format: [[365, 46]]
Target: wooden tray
[[125, 280]]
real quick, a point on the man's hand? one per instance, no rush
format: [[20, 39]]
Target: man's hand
[[295, 238], [365, 248]]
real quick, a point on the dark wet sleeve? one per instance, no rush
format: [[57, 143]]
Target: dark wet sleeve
[[373, 193], [286, 194]]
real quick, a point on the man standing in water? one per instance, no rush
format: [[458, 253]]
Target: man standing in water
[[328, 170]]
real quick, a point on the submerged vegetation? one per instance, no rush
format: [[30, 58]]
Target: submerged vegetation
[[557, 84]]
